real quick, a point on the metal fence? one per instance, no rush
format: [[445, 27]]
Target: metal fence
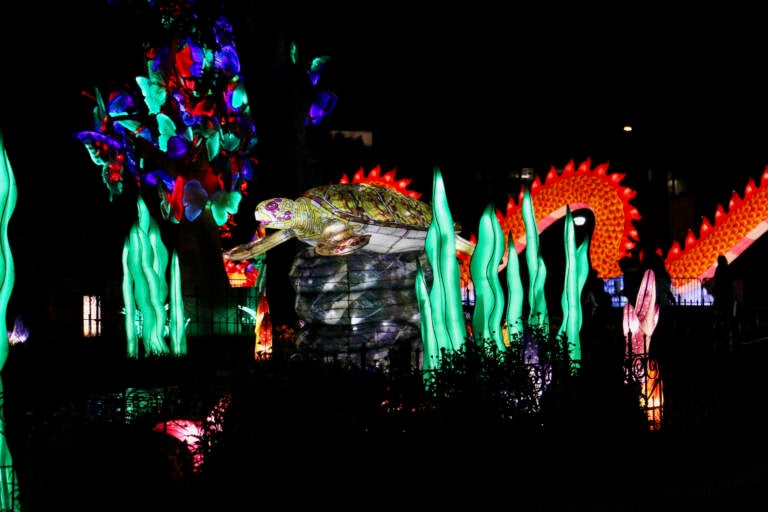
[[687, 291]]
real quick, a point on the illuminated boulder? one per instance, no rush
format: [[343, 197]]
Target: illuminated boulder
[[359, 308]]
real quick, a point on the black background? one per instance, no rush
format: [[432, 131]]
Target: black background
[[477, 92]]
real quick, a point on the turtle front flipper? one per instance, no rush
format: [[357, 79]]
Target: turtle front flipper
[[260, 246]]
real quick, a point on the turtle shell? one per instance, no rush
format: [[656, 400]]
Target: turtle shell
[[372, 204]]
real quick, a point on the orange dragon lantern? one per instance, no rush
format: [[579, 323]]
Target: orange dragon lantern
[[579, 188]]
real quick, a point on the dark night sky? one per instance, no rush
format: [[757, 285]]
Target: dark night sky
[[478, 93]]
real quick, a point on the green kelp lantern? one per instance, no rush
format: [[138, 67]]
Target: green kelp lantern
[[8, 492]]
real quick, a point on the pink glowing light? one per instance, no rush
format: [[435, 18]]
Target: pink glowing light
[[188, 432]]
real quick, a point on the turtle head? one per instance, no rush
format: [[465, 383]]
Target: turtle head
[[276, 213]]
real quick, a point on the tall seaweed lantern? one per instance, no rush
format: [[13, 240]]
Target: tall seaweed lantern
[[8, 491]]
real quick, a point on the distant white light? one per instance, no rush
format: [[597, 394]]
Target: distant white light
[[627, 128], [527, 174]]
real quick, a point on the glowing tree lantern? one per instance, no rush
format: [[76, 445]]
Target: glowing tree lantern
[[184, 133]]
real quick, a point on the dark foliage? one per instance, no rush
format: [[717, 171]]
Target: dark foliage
[[309, 429]]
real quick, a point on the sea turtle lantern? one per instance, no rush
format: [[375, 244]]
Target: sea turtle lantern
[[343, 218]]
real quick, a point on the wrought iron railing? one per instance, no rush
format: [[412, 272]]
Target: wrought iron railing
[[686, 291]]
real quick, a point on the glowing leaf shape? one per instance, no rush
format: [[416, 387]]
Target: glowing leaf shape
[[237, 98], [516, 294], [538, 315], [646, 306], [229, 142], [194, 199], [445, 295], [322, 106], [316, 68], [223, 204], [176, 317], [178, 146], [576, 270], [153, 89], [8, 194], [646, 296], [484, 265], [630, 322], [227, 60], [145, 261], [213, 145], [167, 129]]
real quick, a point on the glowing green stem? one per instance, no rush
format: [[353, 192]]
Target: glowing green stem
[[576, 270], [445, 296], [431, 350], [484, 267], [537, 271], [515, 294], [8, 194], [177, 319]]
